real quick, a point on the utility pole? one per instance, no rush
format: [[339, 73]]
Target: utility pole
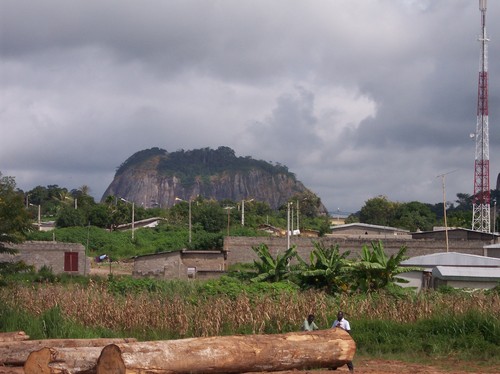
[[443, 176]]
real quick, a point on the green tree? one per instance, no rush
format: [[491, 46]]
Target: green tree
[[210, 215], [272, 269], [326, 268], [458, 218], [118, 211], [378, 211], [99, 216], [14, 219], [375, 270], [414, 216], [69, 217]]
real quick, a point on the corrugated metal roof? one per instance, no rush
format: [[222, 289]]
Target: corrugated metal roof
[[466, 273], [367, 225], [451, 259]]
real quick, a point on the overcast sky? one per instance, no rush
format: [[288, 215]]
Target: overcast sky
[[359, 98]]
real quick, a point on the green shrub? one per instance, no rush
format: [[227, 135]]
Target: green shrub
[[471, 336], [45, 274]]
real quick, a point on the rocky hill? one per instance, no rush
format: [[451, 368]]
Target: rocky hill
[[155, 177]]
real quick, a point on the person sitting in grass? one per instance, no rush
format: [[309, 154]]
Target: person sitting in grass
[[309, 324]]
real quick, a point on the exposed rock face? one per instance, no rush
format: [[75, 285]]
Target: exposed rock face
[[155, 177]]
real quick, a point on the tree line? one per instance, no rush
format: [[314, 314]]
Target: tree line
[[415, 215]]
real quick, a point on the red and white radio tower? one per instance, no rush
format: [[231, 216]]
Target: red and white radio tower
[[481, 198]]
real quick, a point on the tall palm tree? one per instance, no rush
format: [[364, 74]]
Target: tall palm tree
[[85, 190]]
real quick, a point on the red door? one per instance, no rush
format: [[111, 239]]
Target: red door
[[71, 261]]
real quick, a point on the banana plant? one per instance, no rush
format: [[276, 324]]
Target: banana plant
[[326, 269], [272, 269], [376, 270]]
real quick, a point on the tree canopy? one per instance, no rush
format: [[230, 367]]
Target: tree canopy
[[14, 219]]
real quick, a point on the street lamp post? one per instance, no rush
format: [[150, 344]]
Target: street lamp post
[[228, 208], [190, 227], [39, 217], [133, 214], [243, 211], [288, 226], [298, 213]]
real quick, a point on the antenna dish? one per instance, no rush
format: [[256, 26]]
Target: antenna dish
[[472, 135]]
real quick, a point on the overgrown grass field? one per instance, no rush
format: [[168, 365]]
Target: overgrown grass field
[[462, 325]]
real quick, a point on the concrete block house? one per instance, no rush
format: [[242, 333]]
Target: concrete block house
[[181, 265], [67, 258]]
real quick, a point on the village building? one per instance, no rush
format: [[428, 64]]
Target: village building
[[457, 233], [492, 250], [67, 258], [458, 270], [182, 264], [368, 231]]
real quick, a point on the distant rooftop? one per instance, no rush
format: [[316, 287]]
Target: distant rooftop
[[453, 259], [467, 273], [367, 225]]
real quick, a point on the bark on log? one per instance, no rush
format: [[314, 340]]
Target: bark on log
[[17, 352], [230, 354], [13, 336], [81, 360], [11, 370]]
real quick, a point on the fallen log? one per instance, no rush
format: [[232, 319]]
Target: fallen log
[[220, 354], [13, 336], [80, 360], [17, 352], [230, 354]]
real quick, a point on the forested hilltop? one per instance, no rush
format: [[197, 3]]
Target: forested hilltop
[[156, 177]]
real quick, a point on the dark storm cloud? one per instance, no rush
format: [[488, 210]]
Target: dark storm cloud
[[357, 97]]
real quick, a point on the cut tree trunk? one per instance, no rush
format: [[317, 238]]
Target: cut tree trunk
[[17, 352], [13, 336], [220, 354], [230, 354], [80, 360]]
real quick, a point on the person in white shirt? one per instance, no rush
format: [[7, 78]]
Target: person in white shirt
[[344, 324]]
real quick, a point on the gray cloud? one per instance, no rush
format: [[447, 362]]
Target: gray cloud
[[358, 98]]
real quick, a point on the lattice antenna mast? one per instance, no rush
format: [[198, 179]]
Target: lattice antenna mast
[[481, 199]]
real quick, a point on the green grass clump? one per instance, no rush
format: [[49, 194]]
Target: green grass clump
[[469, 336]]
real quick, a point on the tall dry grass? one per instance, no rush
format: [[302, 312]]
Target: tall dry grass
[[194, 315]]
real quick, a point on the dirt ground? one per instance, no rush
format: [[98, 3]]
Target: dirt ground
[[362, 366], [105, 268], [367, 366]]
